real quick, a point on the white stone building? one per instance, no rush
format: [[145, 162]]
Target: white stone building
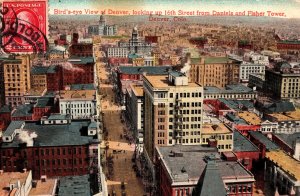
[[80, 104], [250, 68], [117, 52]]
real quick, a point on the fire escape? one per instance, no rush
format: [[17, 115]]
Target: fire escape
[[178, 120]]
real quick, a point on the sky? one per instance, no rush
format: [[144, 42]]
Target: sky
[[290, 7]]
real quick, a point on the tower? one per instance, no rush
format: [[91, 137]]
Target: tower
[[102, 25]]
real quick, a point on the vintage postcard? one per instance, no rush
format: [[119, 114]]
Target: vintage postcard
[[150, 97]]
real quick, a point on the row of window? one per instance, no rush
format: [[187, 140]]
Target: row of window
[[187, 141], [187, 104], [162, 112], [76, 105], [186, 95], [59, 162], [227, 146]]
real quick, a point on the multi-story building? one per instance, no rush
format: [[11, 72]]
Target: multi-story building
[[79, 104], [78, 70], [214, 71], [290, 143], [38, 78], [172, 102], [56, 146], [81, 50], [257, 81], [127, 75], [282, 172], [234, 91], [180, 168], [288, 122], [15, 79], [135, 108], [136, 45], [217, 135], [120, 52], [249, 68], [283, 81], [102, 28], [288, 46]]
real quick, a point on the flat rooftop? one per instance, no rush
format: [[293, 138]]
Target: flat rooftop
[[23, 110], [229, 89], [55, 135], [138, 90], [161, 81], [237, 105], [44, 188], [74, 185], [192, 163], [286, 116], [215, 128], [151, 70], [9, 177], [78, 94], [250, 118], [242, 144], [285, 162], [82, 87]]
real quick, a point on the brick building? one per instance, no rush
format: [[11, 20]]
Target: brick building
[[262, 142], [78, 70], [54, 147], [179, 169], [5, 116], [33, 112], [81, 50], [245, 151]]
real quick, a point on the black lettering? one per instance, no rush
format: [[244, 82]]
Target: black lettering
[[29, 31], [35, 36], [22, 27]]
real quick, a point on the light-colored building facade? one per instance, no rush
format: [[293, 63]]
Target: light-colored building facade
[[214, 71], [219, 134], [135, 107], [173, 111], [283, 81], [38, 77], [102, 28], [80, 104], [15, 79], [250, 68], [121, 52], [288, 122]]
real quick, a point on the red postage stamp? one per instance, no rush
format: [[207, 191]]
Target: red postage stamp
[[26, 26]]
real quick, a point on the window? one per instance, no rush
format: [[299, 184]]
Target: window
[[161, 112], [161, 119], [161, 127]]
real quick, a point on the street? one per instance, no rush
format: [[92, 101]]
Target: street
[[118, 167]]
